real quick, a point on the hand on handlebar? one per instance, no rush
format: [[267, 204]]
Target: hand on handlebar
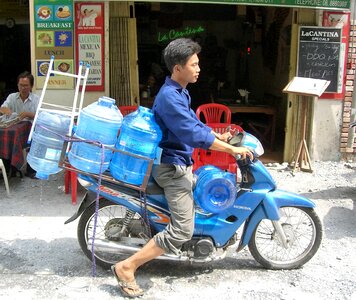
[[242, 153]]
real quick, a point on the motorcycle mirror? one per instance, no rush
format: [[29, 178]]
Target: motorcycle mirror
[[236, 139]]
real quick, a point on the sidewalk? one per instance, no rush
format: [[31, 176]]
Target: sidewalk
[[40, 256]]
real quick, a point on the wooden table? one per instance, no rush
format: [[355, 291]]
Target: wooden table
[[12, 140], [259, 109]]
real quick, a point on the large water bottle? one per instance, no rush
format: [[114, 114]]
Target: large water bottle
[[139, 134], [47, 143], [99, 122], [215, 189]]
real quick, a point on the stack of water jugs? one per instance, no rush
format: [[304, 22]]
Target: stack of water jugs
[[95, 136], [92, 151]]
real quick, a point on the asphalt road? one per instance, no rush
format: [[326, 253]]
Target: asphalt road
[[40, 257]]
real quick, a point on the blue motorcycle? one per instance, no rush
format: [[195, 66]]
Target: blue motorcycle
[[281, 229]]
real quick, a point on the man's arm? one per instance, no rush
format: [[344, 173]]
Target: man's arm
[[27, 114], [5, 111], [219, 145], [5, 108]]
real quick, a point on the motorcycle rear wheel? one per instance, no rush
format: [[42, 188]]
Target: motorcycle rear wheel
[[109, 215], [303, 229]]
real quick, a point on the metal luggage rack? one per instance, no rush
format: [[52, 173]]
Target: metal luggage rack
[[64, 164], [71, 111]]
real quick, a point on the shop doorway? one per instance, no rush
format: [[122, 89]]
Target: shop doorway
[[15, 51], [14, 56], [243, 48]]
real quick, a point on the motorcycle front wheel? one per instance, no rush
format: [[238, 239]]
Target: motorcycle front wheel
[[303, 230], [110, 220]]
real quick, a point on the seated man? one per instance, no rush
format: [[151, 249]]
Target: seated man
[[23, 103]]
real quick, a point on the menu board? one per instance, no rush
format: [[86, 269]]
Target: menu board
[[54, 37], [90, 41], [319, 55]]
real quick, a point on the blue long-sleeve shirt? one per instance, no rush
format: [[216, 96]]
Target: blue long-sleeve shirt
[[182, 131]]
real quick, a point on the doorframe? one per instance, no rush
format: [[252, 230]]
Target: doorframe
[[292, 127]]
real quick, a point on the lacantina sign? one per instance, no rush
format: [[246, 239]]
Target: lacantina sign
[[174, 34], [320, 35]]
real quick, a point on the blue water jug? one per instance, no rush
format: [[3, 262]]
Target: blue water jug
[[215, 189], [47, 142], [99, 122], [139, 134]]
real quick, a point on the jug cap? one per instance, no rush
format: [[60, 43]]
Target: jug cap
[[106, 101], [105, 109]]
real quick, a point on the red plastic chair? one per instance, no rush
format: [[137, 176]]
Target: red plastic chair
[[70, 183], [214, 113], [196, 158], [219, 159], [125, 110]]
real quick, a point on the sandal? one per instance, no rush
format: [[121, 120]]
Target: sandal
[[132, 286]]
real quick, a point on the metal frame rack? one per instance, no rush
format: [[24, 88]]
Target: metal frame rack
[[64, 163], [71, 111]]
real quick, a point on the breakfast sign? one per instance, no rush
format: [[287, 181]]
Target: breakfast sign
[[54, 37]]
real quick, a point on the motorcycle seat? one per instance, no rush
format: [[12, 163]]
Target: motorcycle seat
[[153, 188]]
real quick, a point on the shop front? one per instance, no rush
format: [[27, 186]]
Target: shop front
[[248, 49], [244, 59]]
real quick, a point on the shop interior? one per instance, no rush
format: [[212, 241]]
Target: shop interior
[[14, 55], [244, 48]]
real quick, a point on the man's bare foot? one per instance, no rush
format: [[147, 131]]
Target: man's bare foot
[[127, 283], [124, 272]]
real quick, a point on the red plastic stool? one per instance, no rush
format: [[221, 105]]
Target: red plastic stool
[[70, 181]]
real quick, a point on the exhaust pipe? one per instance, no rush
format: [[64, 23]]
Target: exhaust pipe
[[116, 248]]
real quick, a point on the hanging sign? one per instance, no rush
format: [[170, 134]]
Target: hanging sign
[[89, 35], [315, 4]]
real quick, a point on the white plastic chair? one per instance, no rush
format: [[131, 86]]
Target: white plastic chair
[[4, 175]]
